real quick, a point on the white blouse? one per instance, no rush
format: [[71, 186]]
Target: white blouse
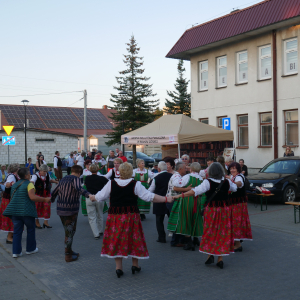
[[102, 161], [139, 190], [10, 178], [87, 172], [205, 186], [238, 178], [35, 176], [144, 171], [109, 174]]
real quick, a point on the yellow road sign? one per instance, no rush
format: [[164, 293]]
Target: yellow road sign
[[8, 129]]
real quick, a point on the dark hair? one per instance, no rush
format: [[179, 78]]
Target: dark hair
[[77, 169], [216, 171], [169, 160], [221, 160], [23, 172], [28, 158], [241, 160], [210, 159], [236, 165], [71, 154], [56, 152], [87, 161]]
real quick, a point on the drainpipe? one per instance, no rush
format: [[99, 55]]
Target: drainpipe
[[275, 128]]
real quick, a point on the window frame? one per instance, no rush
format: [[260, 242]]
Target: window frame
[[200, 73], [218, 120], [243, 125], [238, 62], [218, 69], [261, 124], [285, 73], [285, 127], [260, 57], [202, 119]]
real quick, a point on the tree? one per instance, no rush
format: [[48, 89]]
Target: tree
[[158, 113], [135, 107], [180, 102]]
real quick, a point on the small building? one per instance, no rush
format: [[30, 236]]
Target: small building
[[244, 66]]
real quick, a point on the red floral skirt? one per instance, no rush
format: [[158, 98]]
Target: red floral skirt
[[240, 222], [124, 237], [6, 223], [43, 209], [217, 236]]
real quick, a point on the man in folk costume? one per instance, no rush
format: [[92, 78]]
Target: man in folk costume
[[42, 183], [100, 162], [159, 186], [57, 166], [142, 174], [185, 218], [110, 160]]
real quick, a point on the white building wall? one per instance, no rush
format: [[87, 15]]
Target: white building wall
[[252, 98], [63, 143]]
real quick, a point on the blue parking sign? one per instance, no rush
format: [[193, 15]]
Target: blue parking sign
[[8, 140], [226, 123]]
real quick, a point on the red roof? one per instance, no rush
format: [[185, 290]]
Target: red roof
[[236, 23]]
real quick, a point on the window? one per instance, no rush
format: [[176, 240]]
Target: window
[[203, 76], [242, 67], [222, 71], [264, 62], [291, 127], [290, 56], [243, 130], [205, 120], [266, 129], [44, 140], [220, 121]]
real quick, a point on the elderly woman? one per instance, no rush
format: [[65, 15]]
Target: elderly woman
[[241, 226], [142, 174], [217, 237], [114, 172], [170, 164], [123, 236], [186, 160], [100, 162], [21, 209], [42, 183], [6, 224]]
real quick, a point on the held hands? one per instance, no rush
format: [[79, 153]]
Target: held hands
[[176, 197], [92, 198], [170, 199], [47, 199]]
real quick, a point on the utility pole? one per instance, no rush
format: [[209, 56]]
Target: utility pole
[[85, 121]]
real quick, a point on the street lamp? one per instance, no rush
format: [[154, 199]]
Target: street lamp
[[123, 93], [25, 102]]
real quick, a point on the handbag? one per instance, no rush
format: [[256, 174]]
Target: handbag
[[212, 196]]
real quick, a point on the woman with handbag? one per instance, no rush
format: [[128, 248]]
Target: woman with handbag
[[217, 239]]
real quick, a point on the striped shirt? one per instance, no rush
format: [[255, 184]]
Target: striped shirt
[[68, 192]]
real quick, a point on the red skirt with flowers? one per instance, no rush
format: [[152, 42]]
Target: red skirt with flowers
[[217, 236], [43, 209], [124, 236], [241, 225], [6, 223]]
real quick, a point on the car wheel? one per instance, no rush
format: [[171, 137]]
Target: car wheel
[[289, 194]]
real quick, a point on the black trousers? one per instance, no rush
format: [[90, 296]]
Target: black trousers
[[161, 227], [69, 170]]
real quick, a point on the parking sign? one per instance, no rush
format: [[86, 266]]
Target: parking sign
[[8, 140], [226, 123]]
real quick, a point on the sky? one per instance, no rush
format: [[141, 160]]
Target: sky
[[61, 47]]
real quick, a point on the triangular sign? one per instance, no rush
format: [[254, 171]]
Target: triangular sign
[[8, 129]]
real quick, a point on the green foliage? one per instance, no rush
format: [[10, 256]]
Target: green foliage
[[180, 102]]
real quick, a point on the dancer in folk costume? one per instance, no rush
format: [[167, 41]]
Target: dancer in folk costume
[[6, 223], [240, 217], [42, 182], [217, 238], [204, 173], [123, 235], [142, 174], [114, 172], [100, 162], [185, 217]]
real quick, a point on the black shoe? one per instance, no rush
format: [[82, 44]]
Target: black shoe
[[210, 260], [47, 226], [161, 241], [97, 237], [119, 273], [240, 249], [189, 246], [196, 241], [220, 264], [134, 268], [143, 217], [9, 242], [38, 227]]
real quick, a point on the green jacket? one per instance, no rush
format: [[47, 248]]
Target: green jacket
[[20, 204]]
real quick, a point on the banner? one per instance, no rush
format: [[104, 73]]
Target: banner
[[228, 152], [150, 140]]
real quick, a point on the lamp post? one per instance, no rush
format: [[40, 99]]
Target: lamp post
[[123, 93], [25, 102]]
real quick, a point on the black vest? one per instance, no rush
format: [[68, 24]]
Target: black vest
[[161, 188], [39, 185], [6, 193], [240, 195], [122, 198], [59, 162], [221, 198]]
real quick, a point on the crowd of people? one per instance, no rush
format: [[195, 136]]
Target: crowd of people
[[206, 208]]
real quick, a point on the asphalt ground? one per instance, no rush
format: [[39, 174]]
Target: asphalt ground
[[266, 269]]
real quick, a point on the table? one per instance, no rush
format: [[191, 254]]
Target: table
[[262, 196], [296, 208]]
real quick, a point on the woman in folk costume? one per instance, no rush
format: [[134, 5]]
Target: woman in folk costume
[[100, 162], [240, 217], [186, 160], [217, 238], [42, 182], [114, 172], [185, 217], [142, 174], [123, 235], [6, 223]]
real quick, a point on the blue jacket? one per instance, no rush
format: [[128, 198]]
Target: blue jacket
[[6, 174]]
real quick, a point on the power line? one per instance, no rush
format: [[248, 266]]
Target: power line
[[41, 94], [75, 102]]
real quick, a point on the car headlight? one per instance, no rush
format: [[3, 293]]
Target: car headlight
[[268, 185], [251, 184]]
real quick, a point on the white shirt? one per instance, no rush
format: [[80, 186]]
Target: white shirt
[[144, 171], [55, 160], [80, 161], [152, 186], [102, 161], [205, 186], [87, 172], [10, 178], [109, 174], [139, 190], [34, 177], [177, 160], [175, 180], [238, 178], [204, 173]]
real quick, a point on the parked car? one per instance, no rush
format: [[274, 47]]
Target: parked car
[[149, 161], [157, 156], [281, 176]]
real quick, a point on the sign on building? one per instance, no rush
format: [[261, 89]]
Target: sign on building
[[226, 123], [8, 140]]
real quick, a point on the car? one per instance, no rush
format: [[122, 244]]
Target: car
[[157, 156], [281, 176], [149, 161]]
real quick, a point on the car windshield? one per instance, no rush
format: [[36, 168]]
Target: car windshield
[[282, 167], [141, 155]]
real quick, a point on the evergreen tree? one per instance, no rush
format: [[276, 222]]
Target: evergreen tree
[[137, 106], [180, 102]]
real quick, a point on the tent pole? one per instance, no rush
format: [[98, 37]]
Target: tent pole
[[178, 150]]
